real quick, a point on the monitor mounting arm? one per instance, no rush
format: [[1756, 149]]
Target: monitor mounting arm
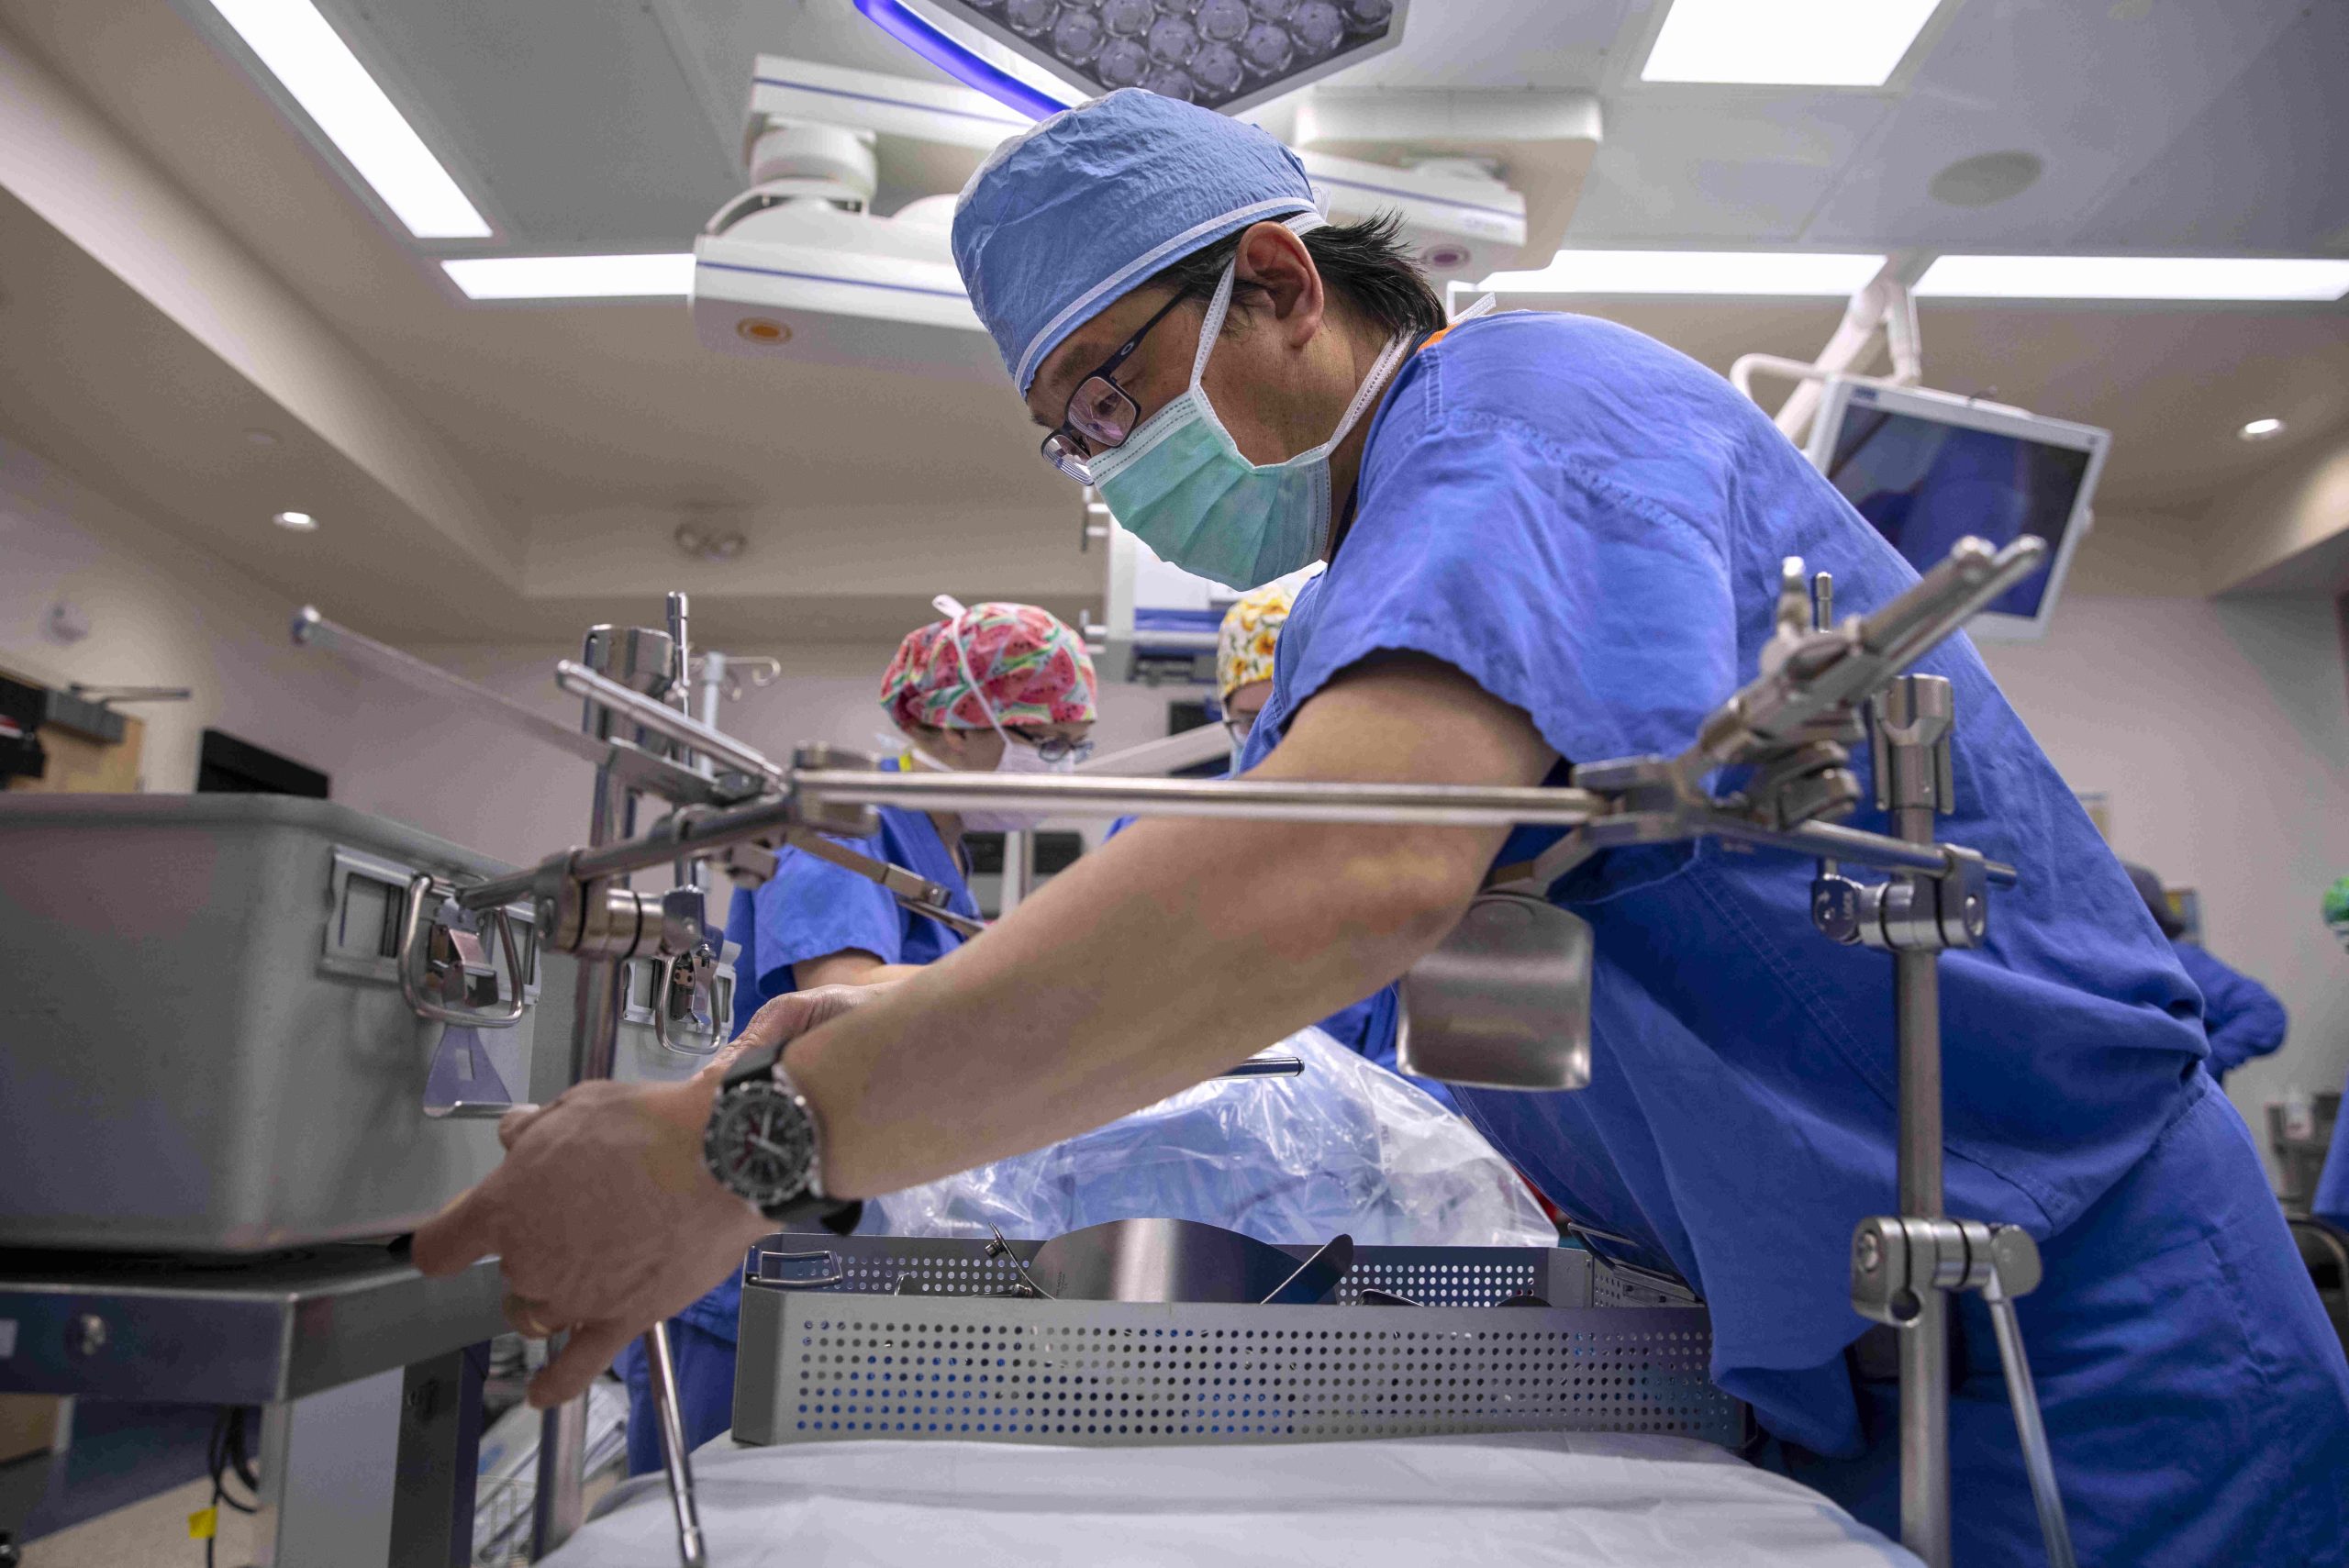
[[1884, 305]]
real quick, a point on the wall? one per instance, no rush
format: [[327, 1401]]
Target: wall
[[164, 612], [2220, 728], [2137, 555], [67, 163], [2297, 511]]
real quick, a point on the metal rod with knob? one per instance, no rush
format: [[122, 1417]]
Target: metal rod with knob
[[1912, 736]]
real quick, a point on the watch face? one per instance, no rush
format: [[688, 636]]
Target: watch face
[[760, 1143]]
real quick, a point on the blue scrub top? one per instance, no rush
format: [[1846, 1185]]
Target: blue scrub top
[[810, 909], [2331, 1203], [1589, 526], [2241, 1016]]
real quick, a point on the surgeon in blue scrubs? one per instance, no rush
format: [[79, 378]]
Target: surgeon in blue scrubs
[[2241, 1016], [1551, 540], [997, 686]]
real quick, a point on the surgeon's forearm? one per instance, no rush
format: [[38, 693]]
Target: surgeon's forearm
[[850, 966], [1178, 949]]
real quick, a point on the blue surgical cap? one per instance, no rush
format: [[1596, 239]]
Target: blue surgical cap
[[1068, 215]]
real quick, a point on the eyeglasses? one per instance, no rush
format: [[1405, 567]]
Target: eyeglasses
[[1052, 748], [1100, 414]]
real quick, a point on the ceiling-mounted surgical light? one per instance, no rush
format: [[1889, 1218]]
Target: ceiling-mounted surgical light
[[951, 55], [317, 68], [1223, 54]]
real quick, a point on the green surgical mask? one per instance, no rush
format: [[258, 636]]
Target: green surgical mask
[[1180, 484]]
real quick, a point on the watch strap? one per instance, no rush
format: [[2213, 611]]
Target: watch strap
[[807, 1211], [756, 1063]]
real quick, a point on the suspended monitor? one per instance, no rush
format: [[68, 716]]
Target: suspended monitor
[[1928, 469]]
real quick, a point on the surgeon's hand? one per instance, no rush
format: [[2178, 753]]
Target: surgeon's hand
[[604, 1219]]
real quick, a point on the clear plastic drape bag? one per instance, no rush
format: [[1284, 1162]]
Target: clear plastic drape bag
[[1345, 1146]]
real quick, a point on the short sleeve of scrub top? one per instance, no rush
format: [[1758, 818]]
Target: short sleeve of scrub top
[[811, 909]]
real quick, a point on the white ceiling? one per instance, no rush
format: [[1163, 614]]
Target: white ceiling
[[2210, 126], [619, 125]]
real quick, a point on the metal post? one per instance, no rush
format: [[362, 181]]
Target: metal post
[[1912, 722], [559, 1504], [678, 1463], [1924, 1344], [643, 660], [1018, 871], [712, 687], [2038, 1459], [597, 1004], [438, 1460]]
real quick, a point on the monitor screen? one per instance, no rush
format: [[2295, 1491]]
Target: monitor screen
[[1926, 484]]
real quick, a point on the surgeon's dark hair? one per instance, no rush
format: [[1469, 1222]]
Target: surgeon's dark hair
[[1366, 263]]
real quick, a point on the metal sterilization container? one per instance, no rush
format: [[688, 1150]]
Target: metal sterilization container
[[210, 1045]]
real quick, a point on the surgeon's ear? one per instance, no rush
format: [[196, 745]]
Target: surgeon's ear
[[1273, 258]]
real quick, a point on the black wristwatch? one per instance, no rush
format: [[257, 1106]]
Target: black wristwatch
[[762, 1142]]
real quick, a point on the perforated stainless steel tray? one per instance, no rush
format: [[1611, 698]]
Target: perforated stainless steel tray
[[1121, 1372], [826, 1355]]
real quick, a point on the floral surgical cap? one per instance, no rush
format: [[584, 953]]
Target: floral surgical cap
[[1251, 628], [1028, 665]]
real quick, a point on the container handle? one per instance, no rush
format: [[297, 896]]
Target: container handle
[[412, 992]]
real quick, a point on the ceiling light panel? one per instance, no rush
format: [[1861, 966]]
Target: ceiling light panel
[[1790, 43], [317, 68], [2135, 277], [574, 277], [1223, 54], [1751, 272]]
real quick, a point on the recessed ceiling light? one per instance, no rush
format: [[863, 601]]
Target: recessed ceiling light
[[317, 68], [574, 277], [2135, 277], [2261, 430], [1752, 273], [1785, 43], [300, 522]]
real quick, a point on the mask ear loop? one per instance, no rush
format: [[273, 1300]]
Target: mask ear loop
[[1381, 369], [954, 610], [1211, 324]]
